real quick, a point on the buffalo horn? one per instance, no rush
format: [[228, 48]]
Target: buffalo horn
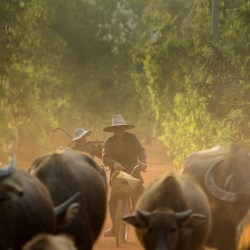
[[8, 170], [143, 215], [215, 190], [229, 178], [184, 214], [62, 208]]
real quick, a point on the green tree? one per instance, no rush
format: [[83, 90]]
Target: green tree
[[194, 102]]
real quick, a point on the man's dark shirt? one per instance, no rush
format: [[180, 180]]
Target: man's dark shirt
[[126, 153]]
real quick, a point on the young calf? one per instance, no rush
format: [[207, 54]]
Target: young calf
[[173, 213]]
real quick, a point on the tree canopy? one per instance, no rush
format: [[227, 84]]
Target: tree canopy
[[76, 63]]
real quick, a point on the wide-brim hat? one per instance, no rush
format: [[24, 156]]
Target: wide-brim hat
[[80, 133], [118, 122]]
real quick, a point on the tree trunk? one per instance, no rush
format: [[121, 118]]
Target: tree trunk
[[226, 4], [215, 15]]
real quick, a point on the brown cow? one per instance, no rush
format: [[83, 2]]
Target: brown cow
[[23, 217], [224, 175], [67, 172], [173, 213]]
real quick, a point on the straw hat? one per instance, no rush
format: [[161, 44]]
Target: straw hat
[[80, 132], [118, 121]]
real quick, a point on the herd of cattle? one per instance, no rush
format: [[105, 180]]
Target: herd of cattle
[[60, 203]]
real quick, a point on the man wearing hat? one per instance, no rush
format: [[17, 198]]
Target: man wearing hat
[[81, 143], [122, 151]]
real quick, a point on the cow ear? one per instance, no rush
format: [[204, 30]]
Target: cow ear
[[193, 220], [135, 221], [72, 212]]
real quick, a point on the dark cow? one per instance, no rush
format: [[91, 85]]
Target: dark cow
[[224, 174], [8, 188], [243, 233], [23, 217], [173, 213], [67, 172], [50, 242]]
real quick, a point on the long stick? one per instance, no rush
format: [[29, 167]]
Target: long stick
[[52, 134], [66, 132]]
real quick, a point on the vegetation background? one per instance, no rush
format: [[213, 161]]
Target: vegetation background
[[179, 70]]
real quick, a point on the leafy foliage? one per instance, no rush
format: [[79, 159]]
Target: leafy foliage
[[76, 63], [198, 91]]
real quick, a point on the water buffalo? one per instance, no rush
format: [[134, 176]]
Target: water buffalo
[[224, 175], [173, 213], [50, 242], [243, 233], [33, 212], [8, 188], [66, 172]]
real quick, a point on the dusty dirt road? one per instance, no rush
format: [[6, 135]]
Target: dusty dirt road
[[157, 165]]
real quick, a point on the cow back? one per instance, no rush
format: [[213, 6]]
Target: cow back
[[25, 216], [67, 173]]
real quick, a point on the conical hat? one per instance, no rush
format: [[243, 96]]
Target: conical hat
[[118, 121]]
